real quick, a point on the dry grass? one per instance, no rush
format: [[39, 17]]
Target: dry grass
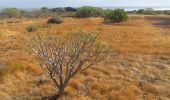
[[138, 70]]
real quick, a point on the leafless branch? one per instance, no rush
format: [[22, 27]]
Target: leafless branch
[[63, 56]]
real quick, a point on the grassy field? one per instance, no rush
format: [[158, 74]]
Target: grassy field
[[138, 70]]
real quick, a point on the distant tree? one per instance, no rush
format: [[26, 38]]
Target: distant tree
[[44, 9], [88, 11], [149, 11], [115, 16], [98, 12], [11, 12], [63, 56], [167, 12], [141, 11], [57, 10], [70, 9]]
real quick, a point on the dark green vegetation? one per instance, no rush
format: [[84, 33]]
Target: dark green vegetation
[[55, 20], [88, 11], [82, 12], [11, 12], [150, 11], [115, 16], [44, 10]]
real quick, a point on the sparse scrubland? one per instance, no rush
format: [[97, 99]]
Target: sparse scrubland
[[137, 69], [11, 12]]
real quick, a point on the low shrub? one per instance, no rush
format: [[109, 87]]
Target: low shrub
[[148, 11], [167, 12], [44, 10], [140, 11], [115, 16], [88, 11], [31, 28], [55, 20], [11, 12]]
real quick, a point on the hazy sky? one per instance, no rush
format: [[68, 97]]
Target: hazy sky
[[77, 3]]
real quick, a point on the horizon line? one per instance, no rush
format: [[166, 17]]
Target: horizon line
[[92, 6]]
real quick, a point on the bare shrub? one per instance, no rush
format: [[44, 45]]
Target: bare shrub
[[63, 56]]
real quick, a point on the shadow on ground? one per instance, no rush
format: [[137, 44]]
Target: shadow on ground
[[160, 21], [54, 97]]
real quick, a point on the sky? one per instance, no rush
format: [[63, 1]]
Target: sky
[[78, 3]]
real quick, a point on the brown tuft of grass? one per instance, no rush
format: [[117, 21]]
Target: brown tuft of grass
[[113, 95], [82, 98], [94, 94], [70, 90], [4, 96], [35, 69], [87, 72], [131, 93], [75, 83], [149, 97], [101, 86], [11, 68]]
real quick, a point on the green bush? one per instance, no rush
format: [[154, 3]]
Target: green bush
[[44, 10], [11, 12], [115, 16], [148, 11], [98, 12], [31, 28], [167, 12], [140, 11], [55, 20], [88, 11]]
